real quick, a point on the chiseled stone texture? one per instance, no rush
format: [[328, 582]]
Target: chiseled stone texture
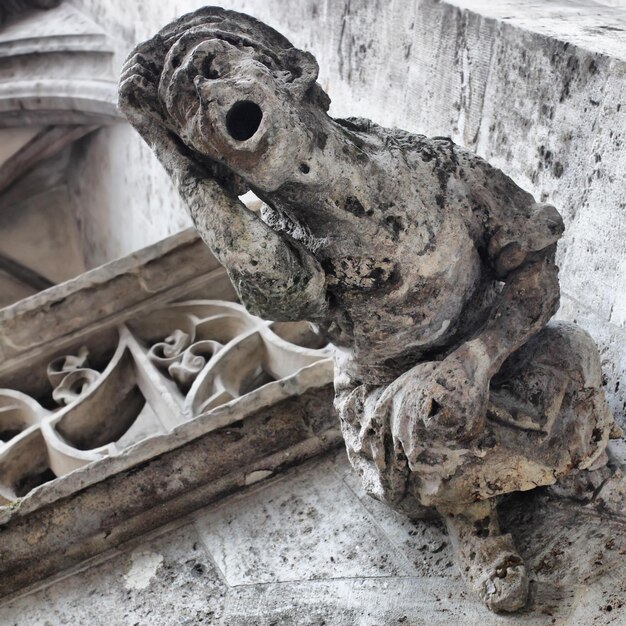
[[309, 549], [611, 339], [304, 527]]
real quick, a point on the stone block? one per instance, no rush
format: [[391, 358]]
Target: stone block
[[308, 527]]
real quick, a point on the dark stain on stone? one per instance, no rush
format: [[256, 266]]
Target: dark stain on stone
[[571, 73], [353, 206], [328, 267], [394, 224], [320, 140]]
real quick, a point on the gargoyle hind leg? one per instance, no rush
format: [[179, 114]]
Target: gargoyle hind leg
[[557, 376], [603, 482], [488, 559], [559, 370]]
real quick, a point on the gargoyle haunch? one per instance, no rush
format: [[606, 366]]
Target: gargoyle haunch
[[430, 272]]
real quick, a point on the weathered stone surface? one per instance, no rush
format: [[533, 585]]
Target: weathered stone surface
[[611, 338], [169, 580], [327, 537], [563, 540], [425, 547], [431, 273]]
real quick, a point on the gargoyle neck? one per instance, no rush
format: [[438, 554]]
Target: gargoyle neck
[[339, 171]]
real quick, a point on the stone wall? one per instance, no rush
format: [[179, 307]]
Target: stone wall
[[536, 88]]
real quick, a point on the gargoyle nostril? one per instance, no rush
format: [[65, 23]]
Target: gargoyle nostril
[[243, 119]]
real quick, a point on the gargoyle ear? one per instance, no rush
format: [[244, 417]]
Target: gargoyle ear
[[304, 70]]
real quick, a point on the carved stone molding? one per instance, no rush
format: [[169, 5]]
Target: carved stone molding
[[145, 382], [57, 67], [182, 361]]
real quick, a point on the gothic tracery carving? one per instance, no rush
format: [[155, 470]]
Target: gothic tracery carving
[[212, 352]]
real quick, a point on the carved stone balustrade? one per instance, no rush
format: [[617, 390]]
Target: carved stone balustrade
[[144, 383]]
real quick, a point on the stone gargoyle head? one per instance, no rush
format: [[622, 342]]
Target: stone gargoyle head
[[236, 91]]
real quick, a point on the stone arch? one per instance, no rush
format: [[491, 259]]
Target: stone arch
[[56, 86]]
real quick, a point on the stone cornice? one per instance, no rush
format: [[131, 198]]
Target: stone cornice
[[233, 427]]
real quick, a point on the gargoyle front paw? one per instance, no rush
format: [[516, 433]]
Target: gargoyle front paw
[[503, 586], [453, 402]]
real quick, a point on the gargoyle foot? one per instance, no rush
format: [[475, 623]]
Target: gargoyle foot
[[488, 560]]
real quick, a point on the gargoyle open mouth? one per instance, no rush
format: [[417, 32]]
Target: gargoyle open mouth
[[243, 120]]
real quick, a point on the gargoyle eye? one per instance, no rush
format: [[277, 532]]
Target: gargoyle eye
[[243, 119]]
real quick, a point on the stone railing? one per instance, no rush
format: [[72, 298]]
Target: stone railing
[[179, 362], [145, 374]]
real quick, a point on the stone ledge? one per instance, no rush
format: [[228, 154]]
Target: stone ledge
[[308, 547], [47, 539], [586, 24]]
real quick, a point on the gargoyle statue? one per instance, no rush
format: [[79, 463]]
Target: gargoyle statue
[[430, 272]]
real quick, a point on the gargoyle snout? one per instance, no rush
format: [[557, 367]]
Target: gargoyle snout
[[235, 115]]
